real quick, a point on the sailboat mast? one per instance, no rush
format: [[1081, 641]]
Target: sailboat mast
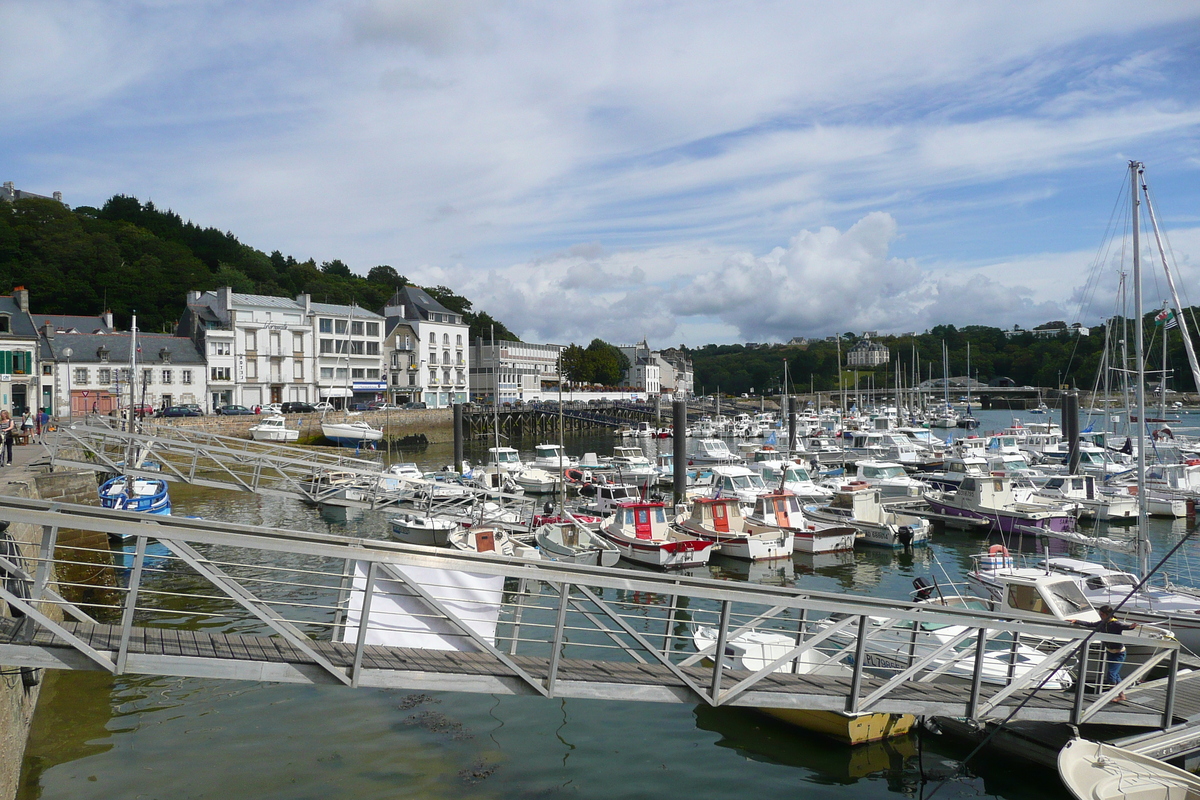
[[1183, 329], [1135, 167]]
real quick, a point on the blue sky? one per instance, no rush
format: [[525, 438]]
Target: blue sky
[[688, 172]]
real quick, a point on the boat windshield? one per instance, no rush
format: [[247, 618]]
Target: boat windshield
[[743, 482], [1068, 597], [507, 457], [883, 472], [1116, 579], [798, 474]]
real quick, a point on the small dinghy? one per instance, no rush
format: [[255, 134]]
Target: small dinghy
[[1101, 771], [423, 529], [574, 543]]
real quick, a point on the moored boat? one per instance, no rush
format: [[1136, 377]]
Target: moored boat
[[351, 434], [490, 540], [423, 529], [1102, 771], [575, 543], [782, 509], [641, 533], [273, 429], [719, 520]]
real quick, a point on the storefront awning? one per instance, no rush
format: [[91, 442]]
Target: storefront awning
[[337, 392]]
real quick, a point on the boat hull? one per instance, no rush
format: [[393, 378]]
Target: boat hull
[[846, 728], [661, 554]]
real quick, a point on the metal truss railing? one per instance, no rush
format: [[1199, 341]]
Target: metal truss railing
[[341, 607], [225, 462]]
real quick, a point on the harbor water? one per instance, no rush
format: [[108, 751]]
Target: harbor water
[[99, 736]]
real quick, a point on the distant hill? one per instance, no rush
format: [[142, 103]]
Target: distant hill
[[130, 256]]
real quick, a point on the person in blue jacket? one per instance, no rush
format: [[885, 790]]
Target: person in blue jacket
[[1114, 652]]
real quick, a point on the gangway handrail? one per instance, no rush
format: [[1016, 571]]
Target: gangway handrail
[[592, 611]]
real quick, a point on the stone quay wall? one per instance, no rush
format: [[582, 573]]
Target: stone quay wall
[[437, 424], [19, 691]]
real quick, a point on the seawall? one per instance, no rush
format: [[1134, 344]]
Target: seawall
[[19, 690]]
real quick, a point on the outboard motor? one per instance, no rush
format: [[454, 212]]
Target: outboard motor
[[924, 589], [905, 535]]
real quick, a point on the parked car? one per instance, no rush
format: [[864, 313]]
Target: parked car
[[324, 405], [379, 405], [273, 408], [192, 407], [357, 407], [298, 408], [178, 411], [233, 410], [415, 405]]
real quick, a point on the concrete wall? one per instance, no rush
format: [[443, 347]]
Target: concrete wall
[[436, 423], [17, 701]]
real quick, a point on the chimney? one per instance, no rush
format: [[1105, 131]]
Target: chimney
[[21, 295], [48, 330], [108, 320], [306, 301]]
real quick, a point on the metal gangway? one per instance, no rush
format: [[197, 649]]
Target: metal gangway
[[225, 462], [190, 597]]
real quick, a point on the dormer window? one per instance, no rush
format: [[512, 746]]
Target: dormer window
[[164, 355], [102, 354], [5, 323]]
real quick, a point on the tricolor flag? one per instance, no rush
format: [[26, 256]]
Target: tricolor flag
[[1166, 318]]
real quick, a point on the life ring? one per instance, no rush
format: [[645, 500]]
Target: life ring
[[998, 549], [768, 448]]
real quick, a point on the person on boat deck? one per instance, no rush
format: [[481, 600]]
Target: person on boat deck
[[1114, 651]]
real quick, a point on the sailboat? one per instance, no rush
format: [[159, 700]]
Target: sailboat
[[126, 492], [1172, 607], [967, 420], [351, 433], [946, 416]]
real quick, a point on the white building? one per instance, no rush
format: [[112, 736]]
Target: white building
[[510, 371], [259, 348], [866, 353], [440, 349], [350, 355], [644, 372], [404, 362], [676, 374], [93, 370]]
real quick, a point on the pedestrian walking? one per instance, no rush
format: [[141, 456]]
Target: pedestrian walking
[[1114, 652], [6, 443], [43, 421]]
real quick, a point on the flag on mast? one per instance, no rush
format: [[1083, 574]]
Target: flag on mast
[[1166, 318]]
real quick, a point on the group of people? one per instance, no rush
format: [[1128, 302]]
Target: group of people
[[30, 424]]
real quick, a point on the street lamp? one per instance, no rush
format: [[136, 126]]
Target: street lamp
[[67, 353]]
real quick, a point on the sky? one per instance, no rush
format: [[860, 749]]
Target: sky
[[685, 172]]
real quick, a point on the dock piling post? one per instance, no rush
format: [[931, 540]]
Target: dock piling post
[[458, 436], [679, 440]]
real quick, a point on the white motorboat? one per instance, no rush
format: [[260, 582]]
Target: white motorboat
[[733, 480], [551, 458], [782, 509], [641, 532], [1101, 771], [792, 477], [491, 540], [713, 451], [273, 429], [888, 477], [1176, 611], [423, 529], [351, 434], [537, 481], [719, 520], [1082, 492], [506, 457], [880, 526], [990, 501]]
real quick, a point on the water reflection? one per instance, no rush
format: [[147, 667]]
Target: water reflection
[[763, 738]]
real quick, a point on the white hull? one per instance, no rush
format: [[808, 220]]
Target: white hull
[[428, 531], [274, 435], [670, 554], [829, 540], [1100, 771]]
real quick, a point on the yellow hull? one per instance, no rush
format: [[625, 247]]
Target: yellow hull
[[847, 728]]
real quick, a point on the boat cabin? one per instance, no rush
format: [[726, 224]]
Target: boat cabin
[[1174, 477], [503, 457], [781, 509], [990, 492], [713, 450], [629, 455], [641, 520], [1094, 576], [720, 514], [1074, 487], [1054, 595], [741, 482]]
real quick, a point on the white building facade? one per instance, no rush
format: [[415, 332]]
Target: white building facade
[[259, 348], [866, 353], [508, 371], [350, 355], [440, 349]]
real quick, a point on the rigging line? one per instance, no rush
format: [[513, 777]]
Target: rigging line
[[1083, 642]]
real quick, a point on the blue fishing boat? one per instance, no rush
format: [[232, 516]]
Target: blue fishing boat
[[149, 495]]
